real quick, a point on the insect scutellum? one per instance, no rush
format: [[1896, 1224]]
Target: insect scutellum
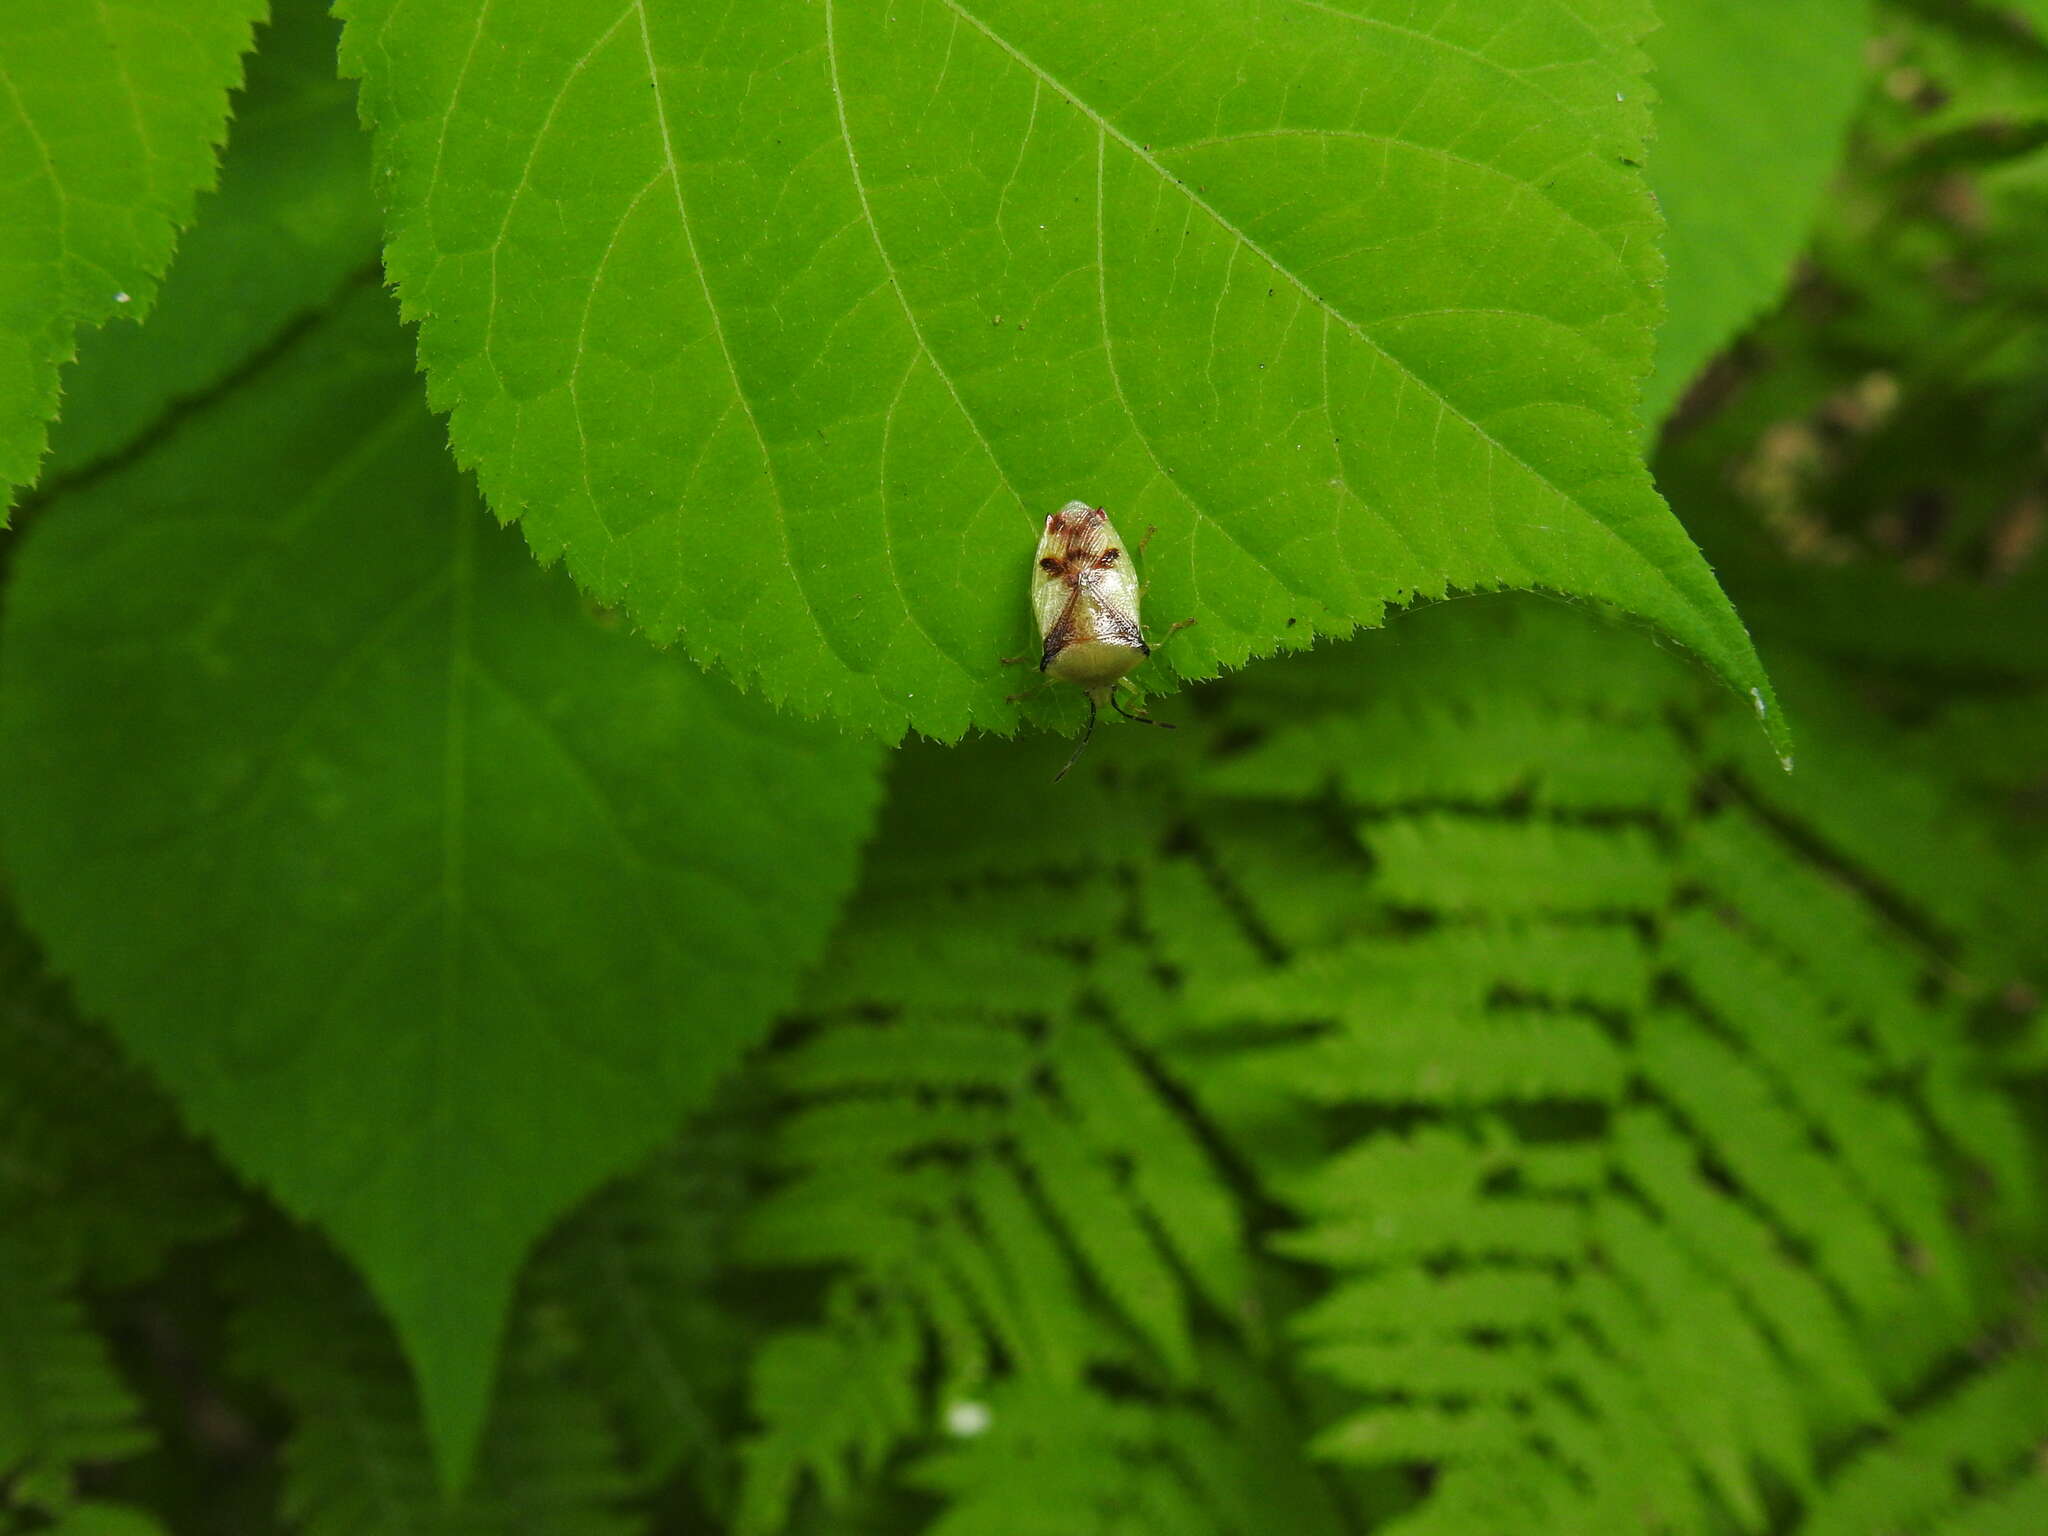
[[1085, 596]]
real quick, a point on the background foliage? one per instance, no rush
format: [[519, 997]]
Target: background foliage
[[459, 1071]]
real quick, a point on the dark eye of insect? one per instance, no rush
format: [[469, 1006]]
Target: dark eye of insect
[[1051, 566]]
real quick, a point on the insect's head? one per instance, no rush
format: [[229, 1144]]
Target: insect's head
[[1076, 520]]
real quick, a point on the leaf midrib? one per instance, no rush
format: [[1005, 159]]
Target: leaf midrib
[[675, 180], [446, 1046]]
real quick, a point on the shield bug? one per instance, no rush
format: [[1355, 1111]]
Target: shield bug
[[1085, 596]]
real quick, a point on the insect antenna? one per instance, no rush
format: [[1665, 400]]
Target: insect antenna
[[1087, 733], [1141, 719]]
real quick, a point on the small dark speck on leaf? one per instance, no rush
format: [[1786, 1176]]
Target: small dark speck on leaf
[[1292, 622]]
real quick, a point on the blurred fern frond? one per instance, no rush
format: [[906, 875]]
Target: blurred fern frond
[[61, 1402], [1671, 1163], [1634, 1108], [632, 1281], [357, 1461], [91, 1154], [1587, 1126], [979, 1159]]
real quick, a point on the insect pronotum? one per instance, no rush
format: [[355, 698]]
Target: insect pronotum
[[1085, 596]]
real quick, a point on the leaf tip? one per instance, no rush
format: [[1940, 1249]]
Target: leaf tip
[[451, 1342]]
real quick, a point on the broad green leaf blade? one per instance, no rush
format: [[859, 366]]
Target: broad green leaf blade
[[291, 220], [1753, 103], [787, 324], [109, 118], [433, 897]]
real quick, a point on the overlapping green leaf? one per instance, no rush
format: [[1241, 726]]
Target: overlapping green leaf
[[109, 118], [291, 220], [1753, 103], [432, 896], [787, 324]]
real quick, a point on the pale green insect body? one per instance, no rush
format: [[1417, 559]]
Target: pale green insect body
[[1085, 596]]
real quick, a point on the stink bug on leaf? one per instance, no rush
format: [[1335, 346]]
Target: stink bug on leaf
[[1085, 596]]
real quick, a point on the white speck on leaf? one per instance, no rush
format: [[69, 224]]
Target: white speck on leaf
[[968, 1419], [120, 298], [1762, 709]]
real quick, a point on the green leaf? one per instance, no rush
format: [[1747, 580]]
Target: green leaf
[[432, 896], [290, 221], [109, 118], [1753, 103], [787, 325]]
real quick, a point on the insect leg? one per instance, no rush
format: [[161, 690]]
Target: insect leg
[[1087, 733], [1171, 632], [1141, 718]]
